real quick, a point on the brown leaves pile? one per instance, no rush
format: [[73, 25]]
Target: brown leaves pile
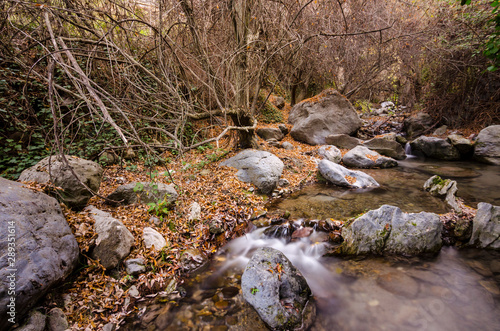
[[351, 180]]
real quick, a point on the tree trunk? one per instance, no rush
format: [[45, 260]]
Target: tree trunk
[[241, 23]]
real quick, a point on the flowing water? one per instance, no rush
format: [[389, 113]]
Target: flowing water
[[456, 290]]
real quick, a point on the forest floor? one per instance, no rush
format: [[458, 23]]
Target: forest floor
[[93, 296]]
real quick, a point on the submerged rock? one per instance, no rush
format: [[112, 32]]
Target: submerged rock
[[339, 175], [486, 227], [325, 114], [260, 168], [362, 157], [281, 297], [192, 259], [388, 230]]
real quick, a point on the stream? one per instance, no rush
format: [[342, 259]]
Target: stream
[[459, 289]]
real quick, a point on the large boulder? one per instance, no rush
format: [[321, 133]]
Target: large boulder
[[486, 227], [325, 114], [260, 168], [435, 148], [114, 240], [270, 133], [463, 145], [37, 250], [388, 230], [330, 153], [277, 291], [74, 194], [387, 147], [417, 124], [144, 192], [487, 147], [362, 157], [343, 141], [341, 176]]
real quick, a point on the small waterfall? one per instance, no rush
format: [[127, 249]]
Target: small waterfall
[[408, 151]]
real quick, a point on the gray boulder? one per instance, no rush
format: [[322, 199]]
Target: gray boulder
[[114, 240], [57, 320], [487, 147], [73, 194], [388, 230], [463, 145], [330, 153], [144, 192], [362, 157], [435, 148], [343, 141], [286, 145], [260, 168], [282, 297], [33, 226], [325, 114], [486, 227], [36, 321], [443, 188], [270, 133], [387, 147], [416, 125], [153, 239], [339, 175]]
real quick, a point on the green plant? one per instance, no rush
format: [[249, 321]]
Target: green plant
[[254, 290]]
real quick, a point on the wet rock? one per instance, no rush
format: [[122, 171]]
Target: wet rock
[[417, 124], [260, 168], [283, 231], [362, 157], [435, 148], [57, 320], [388, 230], [281, 297], [46, 250], [192, 259], [135, 267], [463, 145], [230, 291], [443, 188], [325, 114], [36, 322], [486, 227], [144, 192], [302, 233], [194, 211], [339, 175], [114, 240], [330, 153], [387, 147], [270, 133], [74, 194], [343, 141], [398, 283], [487, 146], [153, 239]]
